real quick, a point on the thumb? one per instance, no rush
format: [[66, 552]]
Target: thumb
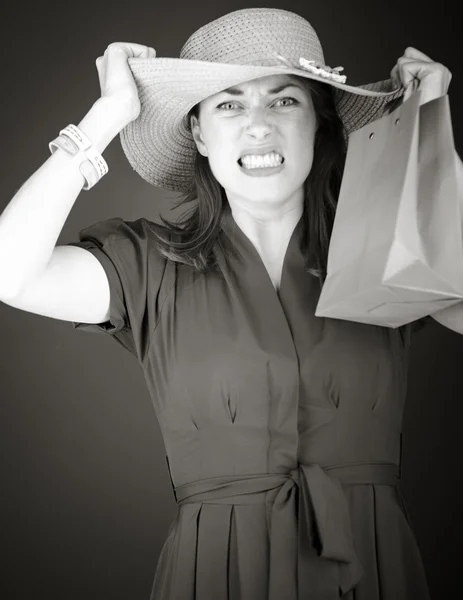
[[411, 88]]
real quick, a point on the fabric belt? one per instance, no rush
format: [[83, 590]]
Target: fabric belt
[[314, 551]]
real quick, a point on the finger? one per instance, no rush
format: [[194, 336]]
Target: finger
[[116, 64], [131, 49], [99, 67], [146, 52], [395, 73], [410, 89], [395, 76], [406, 70], [411, 69], [412, 52]]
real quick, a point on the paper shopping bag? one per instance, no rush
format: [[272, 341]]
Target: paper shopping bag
[[396, 249]]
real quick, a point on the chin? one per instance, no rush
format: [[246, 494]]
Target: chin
[[261, 194]]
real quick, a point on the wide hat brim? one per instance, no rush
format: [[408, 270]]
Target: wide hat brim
[[159, 145]]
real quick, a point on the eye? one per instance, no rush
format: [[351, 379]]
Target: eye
[[229, 102], [225, 104], [294, 101]]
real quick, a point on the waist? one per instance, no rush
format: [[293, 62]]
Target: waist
[[254, 488]]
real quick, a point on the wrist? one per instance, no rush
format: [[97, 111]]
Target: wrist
[[102, 124]]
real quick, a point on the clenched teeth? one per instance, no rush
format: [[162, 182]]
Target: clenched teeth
[[272, 159]]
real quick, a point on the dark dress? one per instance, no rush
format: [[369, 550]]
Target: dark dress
[[282, 429]]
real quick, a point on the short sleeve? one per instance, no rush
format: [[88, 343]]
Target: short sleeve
[[136, 274]]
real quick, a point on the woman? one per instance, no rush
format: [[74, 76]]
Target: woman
[[282, 430]]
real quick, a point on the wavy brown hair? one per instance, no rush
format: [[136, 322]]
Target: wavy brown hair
[[191, 241]]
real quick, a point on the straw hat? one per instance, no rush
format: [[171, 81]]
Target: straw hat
[[237, 47]]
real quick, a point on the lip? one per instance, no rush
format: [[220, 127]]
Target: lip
[[261, 171]]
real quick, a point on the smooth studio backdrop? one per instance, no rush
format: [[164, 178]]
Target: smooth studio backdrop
[[86, 499]]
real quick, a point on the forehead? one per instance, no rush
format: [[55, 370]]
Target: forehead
[[265, 85]]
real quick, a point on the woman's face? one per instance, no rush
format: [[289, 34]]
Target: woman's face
[[253, 118]]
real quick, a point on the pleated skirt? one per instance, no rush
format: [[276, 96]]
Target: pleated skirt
[[217, 551]]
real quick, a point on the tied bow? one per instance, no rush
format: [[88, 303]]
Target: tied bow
[[326, 562], [312, 556]]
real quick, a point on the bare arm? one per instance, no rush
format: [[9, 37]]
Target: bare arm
[[66, 282], [32, 221], [73, 287]]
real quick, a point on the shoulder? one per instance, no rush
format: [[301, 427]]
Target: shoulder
[[140, 233], [119, 228]]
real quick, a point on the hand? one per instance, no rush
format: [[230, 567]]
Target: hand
[[116, 79], [416, 70]]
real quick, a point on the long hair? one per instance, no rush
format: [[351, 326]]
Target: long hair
[[191, 241]]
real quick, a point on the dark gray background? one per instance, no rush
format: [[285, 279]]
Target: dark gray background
[[86, 499]]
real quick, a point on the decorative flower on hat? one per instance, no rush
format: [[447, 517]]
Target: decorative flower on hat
[[324, 71]]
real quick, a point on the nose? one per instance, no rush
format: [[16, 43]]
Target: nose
[[259, 124]]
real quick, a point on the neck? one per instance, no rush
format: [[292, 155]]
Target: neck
[[269, 232]]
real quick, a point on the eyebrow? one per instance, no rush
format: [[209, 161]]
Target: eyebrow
[[234, 91]]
